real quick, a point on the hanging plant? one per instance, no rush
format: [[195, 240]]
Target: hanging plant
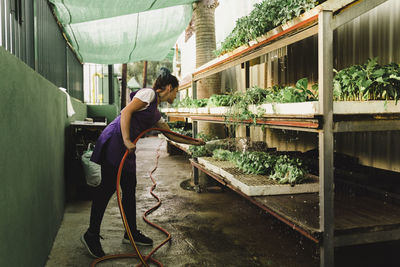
[[241, 100]]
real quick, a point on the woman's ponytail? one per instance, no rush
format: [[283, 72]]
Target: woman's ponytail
[[164, 78]]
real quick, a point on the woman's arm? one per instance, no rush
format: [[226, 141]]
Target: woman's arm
[[164, 125], [126, 114]]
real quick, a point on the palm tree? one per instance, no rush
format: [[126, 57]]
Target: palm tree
[[204, 25]]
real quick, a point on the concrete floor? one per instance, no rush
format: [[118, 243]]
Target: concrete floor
[[216, 228]]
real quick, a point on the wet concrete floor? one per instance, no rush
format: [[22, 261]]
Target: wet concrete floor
[[215, 228]]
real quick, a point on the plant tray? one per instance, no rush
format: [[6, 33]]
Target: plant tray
[[257, 185], [171, 110], [219, 110], [215, 165], [339, 107], [204, 110], [184, 110]]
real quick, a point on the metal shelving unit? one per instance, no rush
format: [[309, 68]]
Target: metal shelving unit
[[327, 218]]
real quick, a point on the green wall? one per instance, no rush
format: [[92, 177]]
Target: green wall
[[108, 111], [33, 124]]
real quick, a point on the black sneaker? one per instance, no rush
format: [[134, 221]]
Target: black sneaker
[[93, 245], [139, 238]]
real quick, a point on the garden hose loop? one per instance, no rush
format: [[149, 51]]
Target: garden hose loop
[[121, 209]]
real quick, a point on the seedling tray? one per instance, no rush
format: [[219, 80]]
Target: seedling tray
[[339, 107], [257, 185]]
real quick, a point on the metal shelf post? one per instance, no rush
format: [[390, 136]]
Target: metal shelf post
[[326, 192]]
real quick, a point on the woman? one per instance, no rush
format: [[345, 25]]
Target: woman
[[140, 114]]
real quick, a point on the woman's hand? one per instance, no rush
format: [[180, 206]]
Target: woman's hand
[[130, 146], [126, 114]]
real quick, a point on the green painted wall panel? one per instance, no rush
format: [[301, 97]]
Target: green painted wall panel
[[33, 124], [108, 111], [80, 111]]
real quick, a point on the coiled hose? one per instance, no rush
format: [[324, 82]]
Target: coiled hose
[[125, 221]]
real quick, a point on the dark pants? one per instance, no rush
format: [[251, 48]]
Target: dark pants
[[104, 192]]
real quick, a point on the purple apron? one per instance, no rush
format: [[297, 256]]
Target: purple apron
[[110, 147]]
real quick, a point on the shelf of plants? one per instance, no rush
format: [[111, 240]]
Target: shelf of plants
[[367, 94], [364, 98], [293, 27]]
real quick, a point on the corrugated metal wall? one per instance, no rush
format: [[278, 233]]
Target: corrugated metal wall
[[51, 56], [374, 34], [29, 30], [54, 58], [16, 28], [74, 76]]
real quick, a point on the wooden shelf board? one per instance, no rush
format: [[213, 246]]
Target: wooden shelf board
[[352, 116]]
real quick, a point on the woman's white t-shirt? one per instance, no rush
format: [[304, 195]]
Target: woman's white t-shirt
[[146, 95]]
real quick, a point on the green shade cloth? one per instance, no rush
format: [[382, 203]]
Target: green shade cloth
[[122, 31]]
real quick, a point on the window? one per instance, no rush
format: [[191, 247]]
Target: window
[[95, 79]]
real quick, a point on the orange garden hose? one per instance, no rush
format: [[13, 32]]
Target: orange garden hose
[[125, 221]]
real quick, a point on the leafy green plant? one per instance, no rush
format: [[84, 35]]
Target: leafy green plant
[[264, 17], [281, 168], [369, 81], [241, 100], [199, 103], [293, 9], [222, 154], [219, 100], [198, 151], [205, 150], [288, 94], [176, 103], [205, 137], [256, 162], [288, 170], [277, 94], [189, 102], [238, 108]]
